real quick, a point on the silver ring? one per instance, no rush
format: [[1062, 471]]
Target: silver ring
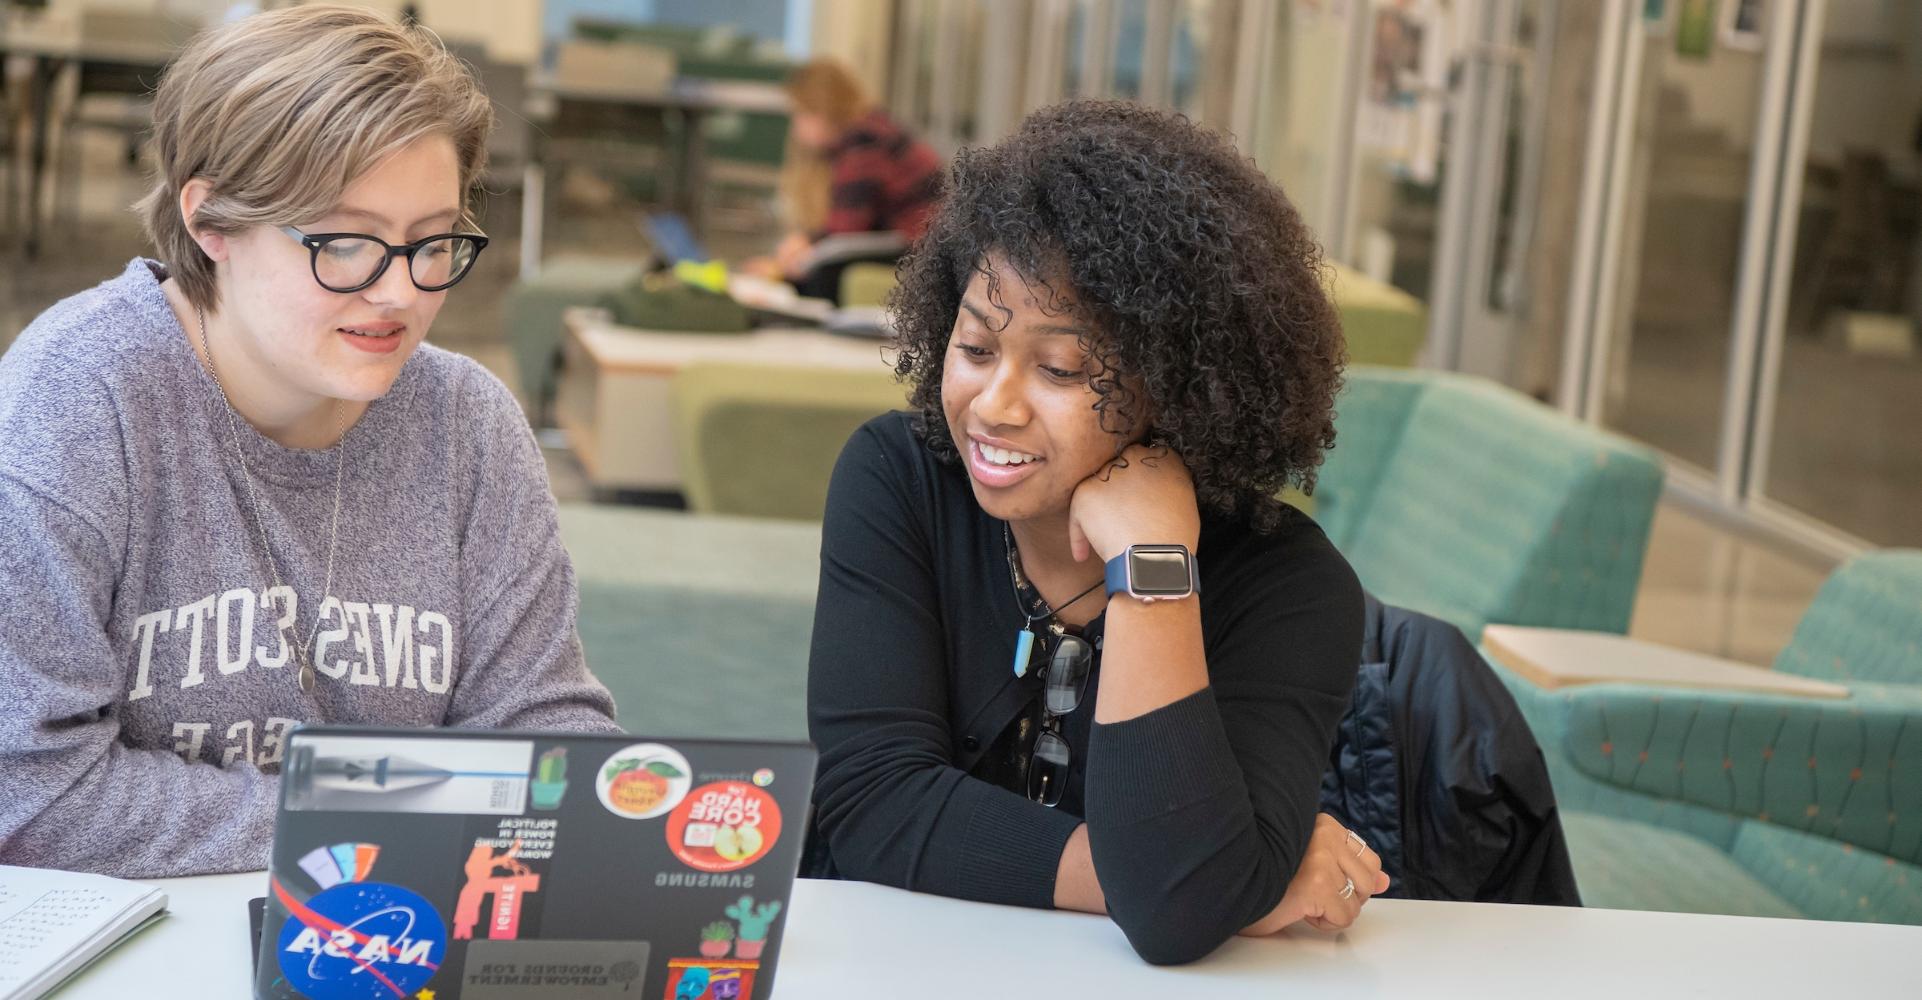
[[1348, 889], [1361, 846]]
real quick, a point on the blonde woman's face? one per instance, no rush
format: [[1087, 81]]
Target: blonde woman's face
[[812, 130], [347, 345]]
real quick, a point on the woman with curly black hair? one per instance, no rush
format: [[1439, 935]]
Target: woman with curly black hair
[[1069, 648]]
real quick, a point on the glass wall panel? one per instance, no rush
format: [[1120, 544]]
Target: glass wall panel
[[1302, 118], [1686, 198], [1848, 398]]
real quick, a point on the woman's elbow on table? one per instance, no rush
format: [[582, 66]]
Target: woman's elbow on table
[[1173, 940]]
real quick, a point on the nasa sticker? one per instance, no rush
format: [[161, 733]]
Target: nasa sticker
[[643, 781], [361, 941]]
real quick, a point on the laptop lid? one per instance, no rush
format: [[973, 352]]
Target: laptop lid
[[470, 865], [672, 238]]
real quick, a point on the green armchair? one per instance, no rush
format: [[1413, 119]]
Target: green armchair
[[1382, 324], [761, 440], [1708, 801]]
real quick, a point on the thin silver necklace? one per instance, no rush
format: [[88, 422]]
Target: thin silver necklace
[[1024, 636], [1015, 578], [307, 680]]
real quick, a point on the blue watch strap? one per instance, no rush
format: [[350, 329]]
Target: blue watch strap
[[1118, 574]]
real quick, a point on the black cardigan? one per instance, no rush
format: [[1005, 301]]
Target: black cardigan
[[1197, 812]]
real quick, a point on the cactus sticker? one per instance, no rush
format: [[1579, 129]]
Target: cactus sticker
[[715, 976], [724, 826], [754, 921], [643, 781], [716, 939], [550, 779]]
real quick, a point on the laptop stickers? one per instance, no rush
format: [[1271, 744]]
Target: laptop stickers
[[509, 866]]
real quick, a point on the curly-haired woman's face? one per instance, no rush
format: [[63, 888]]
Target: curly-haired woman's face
[[1016, 394]]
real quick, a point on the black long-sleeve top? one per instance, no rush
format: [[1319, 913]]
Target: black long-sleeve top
[[1198, 812]]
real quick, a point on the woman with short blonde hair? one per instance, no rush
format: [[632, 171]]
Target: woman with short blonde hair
[[238, 493], [285, 111]]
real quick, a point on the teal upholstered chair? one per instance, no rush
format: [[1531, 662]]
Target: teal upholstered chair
[[1455, 496], [1758, 804], [698, 625]]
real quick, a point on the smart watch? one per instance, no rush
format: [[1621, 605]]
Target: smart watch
[[1154, 573]]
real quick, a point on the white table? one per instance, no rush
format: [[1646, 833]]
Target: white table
[[1557, 657], [614, 400], [851, 939]]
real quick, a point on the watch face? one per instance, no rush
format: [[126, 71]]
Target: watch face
[[1159, 571]]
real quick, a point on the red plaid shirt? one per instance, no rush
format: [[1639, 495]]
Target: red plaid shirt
[[884, 180]]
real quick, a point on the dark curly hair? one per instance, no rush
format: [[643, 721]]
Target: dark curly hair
[[1197, 276]]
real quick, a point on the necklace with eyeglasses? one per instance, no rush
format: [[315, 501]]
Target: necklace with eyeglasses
[[1064, 678]]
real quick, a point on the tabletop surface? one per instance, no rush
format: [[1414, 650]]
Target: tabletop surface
[[1554, 657], [629, 349], [843, 933]]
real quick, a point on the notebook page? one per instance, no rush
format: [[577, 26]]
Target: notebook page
[[52, 920]]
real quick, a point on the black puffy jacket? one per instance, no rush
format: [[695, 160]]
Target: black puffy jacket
[[1436, 769]]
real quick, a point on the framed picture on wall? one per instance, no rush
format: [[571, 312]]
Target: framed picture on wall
[[1694, 28], [1655, 18], [1741, 27]]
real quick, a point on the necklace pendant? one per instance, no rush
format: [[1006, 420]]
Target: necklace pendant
[[1023, 652], [307, 678]]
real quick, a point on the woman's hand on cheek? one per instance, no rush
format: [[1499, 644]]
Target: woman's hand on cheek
[[1146, 497]]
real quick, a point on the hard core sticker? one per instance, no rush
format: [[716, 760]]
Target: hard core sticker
[[724, 826]]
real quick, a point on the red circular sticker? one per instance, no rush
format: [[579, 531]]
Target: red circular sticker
[[724, 826]]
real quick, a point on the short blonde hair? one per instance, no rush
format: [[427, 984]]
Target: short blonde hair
[[281, 111]]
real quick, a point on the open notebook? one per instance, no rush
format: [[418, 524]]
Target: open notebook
[[53, 923]]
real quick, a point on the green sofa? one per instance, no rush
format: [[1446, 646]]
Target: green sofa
[[698, 625], [1448, 494], [1708, 801], [1455, 496]]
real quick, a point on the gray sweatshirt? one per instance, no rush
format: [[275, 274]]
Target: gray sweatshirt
[[145, 693]]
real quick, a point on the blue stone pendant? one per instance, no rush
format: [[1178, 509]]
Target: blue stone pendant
[[1023, 652]]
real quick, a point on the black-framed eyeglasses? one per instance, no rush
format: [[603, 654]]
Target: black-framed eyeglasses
[[1063, 681], [350, 262]]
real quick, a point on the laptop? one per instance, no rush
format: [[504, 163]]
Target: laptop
[[672, 238], [469, 865]]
